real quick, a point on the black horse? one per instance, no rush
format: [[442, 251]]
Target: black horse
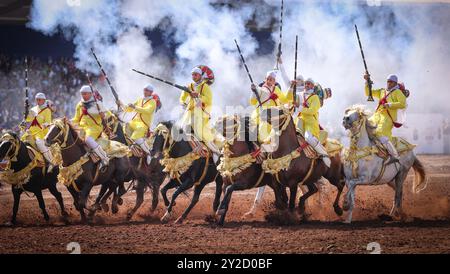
[[145, 175], [200, 173], [17, 152], [72, 150]]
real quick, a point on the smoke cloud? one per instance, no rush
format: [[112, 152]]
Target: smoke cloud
[[408, 39]]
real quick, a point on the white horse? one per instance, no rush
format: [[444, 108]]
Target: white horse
[[363, 166]]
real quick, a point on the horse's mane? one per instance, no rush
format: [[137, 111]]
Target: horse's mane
[[364, 112]]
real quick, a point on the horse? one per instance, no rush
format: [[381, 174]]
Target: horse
[[290, 164], [185, 168], [29, 175], [82, 173], [243, 170], [364, 162], [146, 175]]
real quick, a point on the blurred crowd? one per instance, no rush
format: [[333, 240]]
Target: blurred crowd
[[59, 79]]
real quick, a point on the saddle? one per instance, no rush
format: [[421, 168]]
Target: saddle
[[400, 144], [332, 146]]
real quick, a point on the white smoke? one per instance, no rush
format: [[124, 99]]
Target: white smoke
[[410, 40]]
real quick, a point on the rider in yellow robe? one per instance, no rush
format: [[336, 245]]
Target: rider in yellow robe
[[88, 118], [308, 104], [140, 124], [270, 95], [197, 104], [38, 122], [391, 100]]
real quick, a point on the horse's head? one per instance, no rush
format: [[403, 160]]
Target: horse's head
[[162, 138], [354, 116], [58, 132], [9, 145]]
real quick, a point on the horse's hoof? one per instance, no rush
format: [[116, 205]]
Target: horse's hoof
[[10, 224], [64, 214], [120, 201], [130, 215], [338, 211], [166, 217], [248, 215], [46, 218], [114, 209], [220, 212], [105, 207], [347, 222], [179, 221], [345, 207]]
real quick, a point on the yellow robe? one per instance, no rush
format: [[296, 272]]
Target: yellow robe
[[381, 117], [37, 129], [308, 117], [265, 128], [91, 123], [198, 117], [142, 120]]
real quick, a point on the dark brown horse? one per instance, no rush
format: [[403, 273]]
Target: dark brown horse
[[14, 150], [239, 165], [147, 176], [302, 169], [198, 175], [73, 149]]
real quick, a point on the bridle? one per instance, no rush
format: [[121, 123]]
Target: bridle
[[13, 148], [64, 129]]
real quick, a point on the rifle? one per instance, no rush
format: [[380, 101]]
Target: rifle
[[369, 82], [248, 73], [107, 80], [281, 34], [164, 81], [295, 70], [27, 95], [104, 124]]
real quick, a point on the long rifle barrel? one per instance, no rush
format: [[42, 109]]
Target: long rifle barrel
[[295, 69], [281, 34], [106, 77], [248, 72], [162, 80], [27, 95], [369, 82]]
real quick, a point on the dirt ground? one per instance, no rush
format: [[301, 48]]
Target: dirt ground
[[427, 229]]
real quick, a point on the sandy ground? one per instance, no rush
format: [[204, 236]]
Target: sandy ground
[[427, 229]]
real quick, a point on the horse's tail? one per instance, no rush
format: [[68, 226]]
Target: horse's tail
[[420, 177]]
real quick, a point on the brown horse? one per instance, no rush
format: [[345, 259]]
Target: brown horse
[[299, 168], [202, 170], [73, 151], [242, 171]]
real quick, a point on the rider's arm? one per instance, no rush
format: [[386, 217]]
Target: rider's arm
[[149, 108], [376, 93], [314, 105], [399, 100], [77, 116]]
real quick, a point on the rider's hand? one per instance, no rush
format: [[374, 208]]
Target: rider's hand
[[366, 77], [194, 94], [131, 106], [253, 87]]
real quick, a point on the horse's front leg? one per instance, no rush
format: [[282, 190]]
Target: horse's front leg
[[256, 203], [41, 202], [183, 187], [349, 201], [139, 199], [16, 194]]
